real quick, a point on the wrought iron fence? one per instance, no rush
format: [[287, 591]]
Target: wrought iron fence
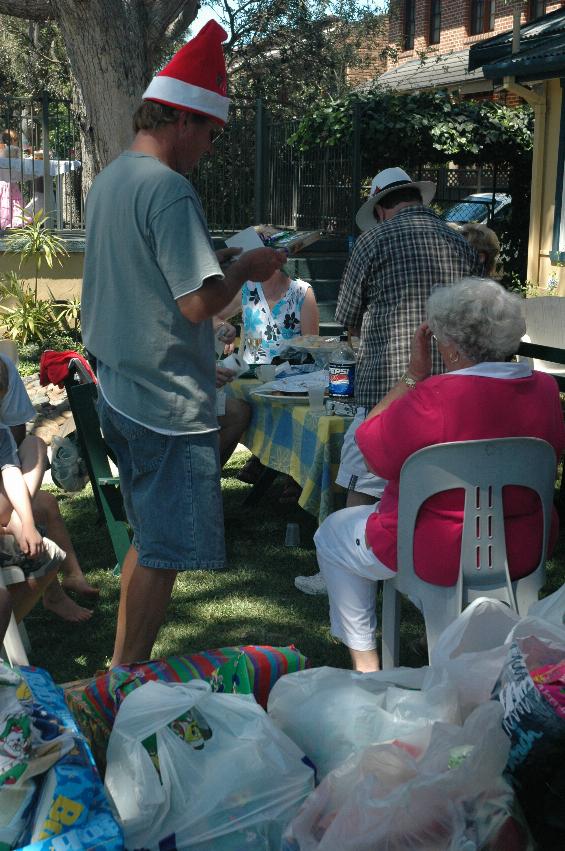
[[226, 182], [39, 169], [307, 191], [255, 174]]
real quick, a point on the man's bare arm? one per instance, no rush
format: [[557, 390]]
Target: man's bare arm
[[215, 293]]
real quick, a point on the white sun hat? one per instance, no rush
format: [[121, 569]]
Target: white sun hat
[[384, 183]]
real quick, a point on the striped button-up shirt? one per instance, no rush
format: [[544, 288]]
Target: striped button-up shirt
[[385, 287]]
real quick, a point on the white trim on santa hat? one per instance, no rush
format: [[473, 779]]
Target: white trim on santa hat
[[182, 95]]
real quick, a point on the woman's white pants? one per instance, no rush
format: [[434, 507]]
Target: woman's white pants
[[351, 571]]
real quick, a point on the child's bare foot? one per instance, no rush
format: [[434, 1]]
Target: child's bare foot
[[55, 600], [78, 584]]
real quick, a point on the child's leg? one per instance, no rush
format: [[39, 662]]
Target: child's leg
[[46, 512], [26, 594], [33, 454]]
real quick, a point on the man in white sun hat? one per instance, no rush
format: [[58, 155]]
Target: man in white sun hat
[[152, 283], [404, 251]]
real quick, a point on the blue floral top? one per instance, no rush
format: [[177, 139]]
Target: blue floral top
[[274, 325]]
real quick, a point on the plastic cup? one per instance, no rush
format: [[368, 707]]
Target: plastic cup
[[267, 372], [292, 535], [316, 398]]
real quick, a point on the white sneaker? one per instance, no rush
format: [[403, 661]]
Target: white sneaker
[[311, 584]]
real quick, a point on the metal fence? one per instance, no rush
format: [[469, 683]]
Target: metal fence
[[39, 169], [255, 175]]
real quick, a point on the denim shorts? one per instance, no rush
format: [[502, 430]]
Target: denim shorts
[[171, 491]]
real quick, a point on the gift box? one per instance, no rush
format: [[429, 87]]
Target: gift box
[[250, 669]]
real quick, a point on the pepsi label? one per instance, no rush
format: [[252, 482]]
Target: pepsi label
[[342, 381]]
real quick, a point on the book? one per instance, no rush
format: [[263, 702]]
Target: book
[[291, 241], [255, 237]]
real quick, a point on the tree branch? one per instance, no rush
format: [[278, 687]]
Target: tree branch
[[162, 13], [30, 10], [177, 27]]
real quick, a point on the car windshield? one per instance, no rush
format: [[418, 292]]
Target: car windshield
[[467, 211]]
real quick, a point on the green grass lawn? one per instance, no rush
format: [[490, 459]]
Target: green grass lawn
[[254, 602]]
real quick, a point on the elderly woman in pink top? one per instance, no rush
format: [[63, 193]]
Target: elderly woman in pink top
[[477, 325]]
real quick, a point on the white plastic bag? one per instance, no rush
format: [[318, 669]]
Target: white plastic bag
[[227, 778], [551, 608], [331, 713], [471, 652], [386, 799], [484, 624], [68, 470]]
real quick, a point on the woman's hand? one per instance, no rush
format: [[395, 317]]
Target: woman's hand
[[420, 364]]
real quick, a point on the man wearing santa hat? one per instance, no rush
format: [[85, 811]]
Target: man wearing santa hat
[[152, 283]]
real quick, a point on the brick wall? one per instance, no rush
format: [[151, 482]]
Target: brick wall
[[373, 63], [455, 25]]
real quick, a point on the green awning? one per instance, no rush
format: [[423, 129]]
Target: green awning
[[541, 53]]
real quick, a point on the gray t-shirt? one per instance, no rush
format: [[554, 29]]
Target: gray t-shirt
[[15, 408], [147, 244]]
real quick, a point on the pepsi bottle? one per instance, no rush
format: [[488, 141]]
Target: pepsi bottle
[[342, 372]]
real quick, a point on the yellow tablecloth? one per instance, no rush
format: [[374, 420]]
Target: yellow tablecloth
[[295, 440]]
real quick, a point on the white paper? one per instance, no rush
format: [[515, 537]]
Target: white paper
[[246, 239], [297, 383]]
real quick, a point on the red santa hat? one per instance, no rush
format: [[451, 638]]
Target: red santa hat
[[195, 78]]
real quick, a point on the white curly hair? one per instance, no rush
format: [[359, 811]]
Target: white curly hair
[[479, 316]]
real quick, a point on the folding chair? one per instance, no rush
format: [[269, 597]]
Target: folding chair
[[482, 468], [81, 393]]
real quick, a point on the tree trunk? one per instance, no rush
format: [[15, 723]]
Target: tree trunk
[[111, 46], [111, 69]]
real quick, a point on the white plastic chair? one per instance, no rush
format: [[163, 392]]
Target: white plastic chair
[[482, 468], [16, 641]]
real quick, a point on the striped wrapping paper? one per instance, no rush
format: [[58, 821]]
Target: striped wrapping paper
[[250, 669]]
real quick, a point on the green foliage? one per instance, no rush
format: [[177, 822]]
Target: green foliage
[[33, 241], [421, 128], [25, 317], [38, 323], [32, 59], [435, 128], [290, 52], [68, 316]]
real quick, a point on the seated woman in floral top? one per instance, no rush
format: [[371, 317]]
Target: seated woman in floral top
[[273, 312]]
